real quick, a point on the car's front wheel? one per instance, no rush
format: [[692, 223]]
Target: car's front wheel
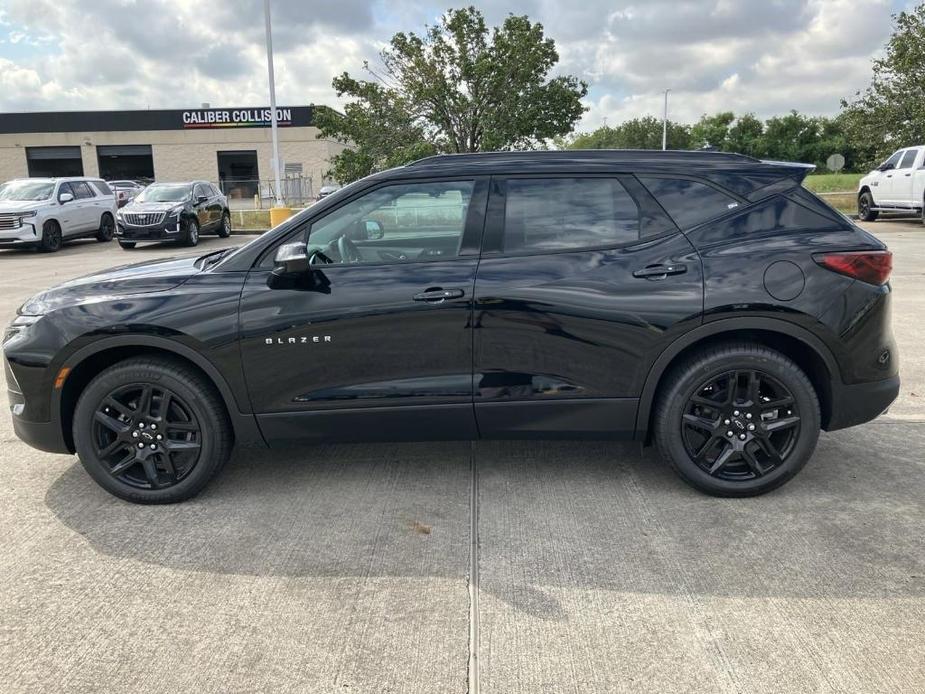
[[190, 234], [151, 431], [737, 420], [865, 205], [51, 237]]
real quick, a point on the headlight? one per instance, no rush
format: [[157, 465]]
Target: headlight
[[175, 212], [30, 213], [19, 326]]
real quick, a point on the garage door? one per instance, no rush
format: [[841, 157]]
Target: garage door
[[54, 161], [133, 162]]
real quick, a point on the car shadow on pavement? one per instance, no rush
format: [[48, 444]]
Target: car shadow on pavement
[[552, 515]]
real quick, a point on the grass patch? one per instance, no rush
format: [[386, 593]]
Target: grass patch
[[833, 182]]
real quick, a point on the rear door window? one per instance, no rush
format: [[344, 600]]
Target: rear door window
[[81, 189], [102, 187], [555, 214], [689, 202]]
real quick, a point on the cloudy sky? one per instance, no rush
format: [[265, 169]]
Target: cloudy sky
[[764, 56]]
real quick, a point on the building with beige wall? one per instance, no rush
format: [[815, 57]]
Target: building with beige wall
[[231, 147]]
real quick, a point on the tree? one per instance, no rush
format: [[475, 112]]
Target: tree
[[744, 136], [460, 87], [890, 113], [712, 131], [638, 133]]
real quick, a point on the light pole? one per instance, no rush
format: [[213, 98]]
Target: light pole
[[665, 123], [278, 191]]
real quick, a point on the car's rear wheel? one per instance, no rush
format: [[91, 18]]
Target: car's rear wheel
[[865, 203], [190, 233], [127, 245], [224, 229], [107, 228], [737, 420], [151, 431], [51, 237]]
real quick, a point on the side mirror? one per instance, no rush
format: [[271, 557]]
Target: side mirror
[[291, 259], [886, 167], [201, 199], [374, 229], [65, 197]]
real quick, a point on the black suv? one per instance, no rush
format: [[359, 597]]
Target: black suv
[[705, 301], [174, 212]]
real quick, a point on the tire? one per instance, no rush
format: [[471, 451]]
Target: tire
[[865, 202], [761, 424], [195, 438], [51, 237], [107, 228], [190, 233], [127, 245], [224, 228]]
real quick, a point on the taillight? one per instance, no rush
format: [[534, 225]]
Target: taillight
[[873, 267]]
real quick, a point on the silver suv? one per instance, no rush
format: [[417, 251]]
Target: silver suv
[[45, 212]]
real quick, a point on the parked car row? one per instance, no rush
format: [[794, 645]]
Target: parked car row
[[43, 213]]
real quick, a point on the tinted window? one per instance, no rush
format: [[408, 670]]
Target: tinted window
[[776, 214], [102, 187], [65, 188], [689, 202], [908, 159], [401, 223], [553, 214], [215, 191], [200, 191], [81, 189]]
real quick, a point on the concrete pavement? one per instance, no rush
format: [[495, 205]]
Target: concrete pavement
[[346, 568]]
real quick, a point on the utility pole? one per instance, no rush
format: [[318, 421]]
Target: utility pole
[[278, 189], [665, 123]]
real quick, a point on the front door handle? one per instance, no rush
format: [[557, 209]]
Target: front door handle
[[437, 296], [658, 272]]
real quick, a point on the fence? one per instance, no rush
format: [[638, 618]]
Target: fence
[[249, 194]]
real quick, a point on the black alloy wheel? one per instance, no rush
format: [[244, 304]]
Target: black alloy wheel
[[51, 237], [740, 425], [865, 203], [146, 435], [107, 229], [152, 430], [737, 419]]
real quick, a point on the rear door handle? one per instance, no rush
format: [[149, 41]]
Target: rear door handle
[[657, 272], [436, 296]]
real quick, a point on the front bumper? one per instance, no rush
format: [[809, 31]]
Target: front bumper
[[169, 229], [861, 402], [25, 235]]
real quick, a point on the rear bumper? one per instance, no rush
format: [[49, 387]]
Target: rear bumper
[[861, 402]]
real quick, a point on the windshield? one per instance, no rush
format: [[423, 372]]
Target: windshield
[[165, 192], [26, 190]]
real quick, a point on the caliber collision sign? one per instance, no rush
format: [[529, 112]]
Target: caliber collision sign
[[236, 118]]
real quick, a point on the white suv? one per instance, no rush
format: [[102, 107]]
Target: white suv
[[45, 212]]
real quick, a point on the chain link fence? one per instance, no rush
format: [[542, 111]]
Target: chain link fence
[[250, 194]]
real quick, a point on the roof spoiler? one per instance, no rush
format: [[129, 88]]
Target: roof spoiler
[[798, 170], [792, 175]]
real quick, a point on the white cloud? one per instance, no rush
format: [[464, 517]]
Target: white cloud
[[764, 56]]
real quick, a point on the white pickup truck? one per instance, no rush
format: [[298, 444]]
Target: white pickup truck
[[897, 185]]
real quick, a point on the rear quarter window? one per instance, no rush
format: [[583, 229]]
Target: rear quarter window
[[689, 202], [775, 215]]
